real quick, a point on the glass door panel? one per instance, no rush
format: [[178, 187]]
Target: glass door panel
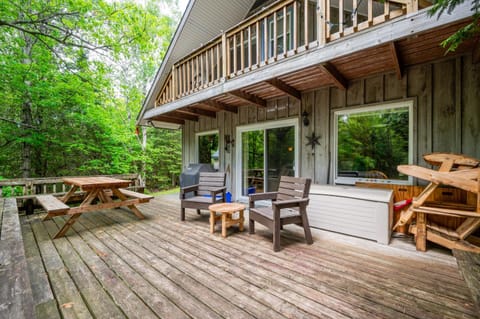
[[253, 162], [280, 155]]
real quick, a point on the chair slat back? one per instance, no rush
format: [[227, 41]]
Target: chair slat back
[[293, 188], [210, 180]]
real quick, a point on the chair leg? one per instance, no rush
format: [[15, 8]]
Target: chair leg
[[251, 226], [276, 237], [306, 229], [182, 214]]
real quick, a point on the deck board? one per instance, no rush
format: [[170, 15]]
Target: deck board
[[110, 264]]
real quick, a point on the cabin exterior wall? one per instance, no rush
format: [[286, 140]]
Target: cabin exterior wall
[[446, 115]]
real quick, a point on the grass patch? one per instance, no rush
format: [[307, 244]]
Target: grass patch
[[175, 190]]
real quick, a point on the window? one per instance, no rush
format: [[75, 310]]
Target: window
[[265, 152], [371, 142], [207, 148]]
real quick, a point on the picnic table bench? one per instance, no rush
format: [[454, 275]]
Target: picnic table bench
[[100, 193]]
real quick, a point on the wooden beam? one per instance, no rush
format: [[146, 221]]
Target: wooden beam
[[476, 52], [285, 88], [162, 118], [220, 106], [182, 116], [196, 111], [334, 75], [396, 60], [249, 98]]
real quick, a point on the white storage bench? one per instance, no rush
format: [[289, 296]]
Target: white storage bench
[[356, 211]]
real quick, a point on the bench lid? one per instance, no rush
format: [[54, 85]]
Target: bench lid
[[368, 194]]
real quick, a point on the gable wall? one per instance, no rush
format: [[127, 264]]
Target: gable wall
[[446, 115]]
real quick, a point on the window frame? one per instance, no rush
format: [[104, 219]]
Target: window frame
[[410, 103], [197, 146]]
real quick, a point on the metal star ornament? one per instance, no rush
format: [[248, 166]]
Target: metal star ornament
[[313, 140]]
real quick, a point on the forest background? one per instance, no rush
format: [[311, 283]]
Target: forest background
[[73, 76]]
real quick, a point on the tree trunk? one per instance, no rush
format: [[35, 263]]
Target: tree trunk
[[26, 115]]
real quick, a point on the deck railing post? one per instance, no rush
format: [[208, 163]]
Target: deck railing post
[[173, 86], [224, 56], [321, 34]]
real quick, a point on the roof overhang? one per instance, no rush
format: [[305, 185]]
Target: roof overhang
[[400, 28], [202, 21]]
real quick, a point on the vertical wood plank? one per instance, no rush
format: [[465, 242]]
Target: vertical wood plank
[[294, 106], [322, 129], [458, 105], [271, 110], [337, 97], [307, 167], [394, 88], [419, 84], [282, 108], [443, 137], [471, 102], [305, 22], [355, 93], [374, 89]]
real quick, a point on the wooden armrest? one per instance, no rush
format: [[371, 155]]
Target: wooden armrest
[[215, 191], [291, 203], [445, 211], [262, 196], [188, 189]]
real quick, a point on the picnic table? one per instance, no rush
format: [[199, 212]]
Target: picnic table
[[453, 170], [99, 193]]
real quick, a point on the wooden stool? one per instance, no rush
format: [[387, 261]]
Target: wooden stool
[[226, 210]]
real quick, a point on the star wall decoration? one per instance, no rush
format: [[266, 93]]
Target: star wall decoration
[[313, 140]]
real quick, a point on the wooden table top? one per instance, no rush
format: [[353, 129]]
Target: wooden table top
[[226, 207], [96, 182]]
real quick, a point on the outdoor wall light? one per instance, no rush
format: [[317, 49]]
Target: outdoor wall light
[[306, 121], [229, 143]]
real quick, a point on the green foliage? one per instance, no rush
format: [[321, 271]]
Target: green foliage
[[466, 32], [372, 142], [73, 73]]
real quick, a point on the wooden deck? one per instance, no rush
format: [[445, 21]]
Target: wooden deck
[[112, 265]]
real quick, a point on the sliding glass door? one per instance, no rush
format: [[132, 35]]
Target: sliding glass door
[[267, 152]]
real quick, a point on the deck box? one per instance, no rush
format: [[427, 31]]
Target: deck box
[[361, 212]]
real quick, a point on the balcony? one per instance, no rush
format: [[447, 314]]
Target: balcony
[[285, 29]]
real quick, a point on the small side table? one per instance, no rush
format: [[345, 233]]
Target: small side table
[[226, 210]]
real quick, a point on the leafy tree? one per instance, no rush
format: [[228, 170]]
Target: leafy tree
[[469, 31], [73, 73]]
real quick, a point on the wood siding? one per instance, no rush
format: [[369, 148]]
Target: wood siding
[[446, 115]]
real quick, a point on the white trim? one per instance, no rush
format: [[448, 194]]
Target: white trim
[[372, 107], [197, 135], [262, 126]]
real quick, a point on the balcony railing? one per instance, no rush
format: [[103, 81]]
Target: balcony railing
[[282, 30]]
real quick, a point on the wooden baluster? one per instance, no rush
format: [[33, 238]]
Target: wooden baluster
[[265, 39], [201, 81], [274, 53], [225, 55], [386, 10], [295, 26], [355, 16], [234, 71], [258, 42], [174, 78], [249, 43], [285, 48], [327, 20], [306, 23], [370, 12], [212, 64], [242, 52], [340, 18]]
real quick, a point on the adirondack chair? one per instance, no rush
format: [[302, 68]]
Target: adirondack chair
[[289, 206], [457, 171], [209, 190]]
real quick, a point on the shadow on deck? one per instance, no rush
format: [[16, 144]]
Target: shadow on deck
[[112, 265]]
